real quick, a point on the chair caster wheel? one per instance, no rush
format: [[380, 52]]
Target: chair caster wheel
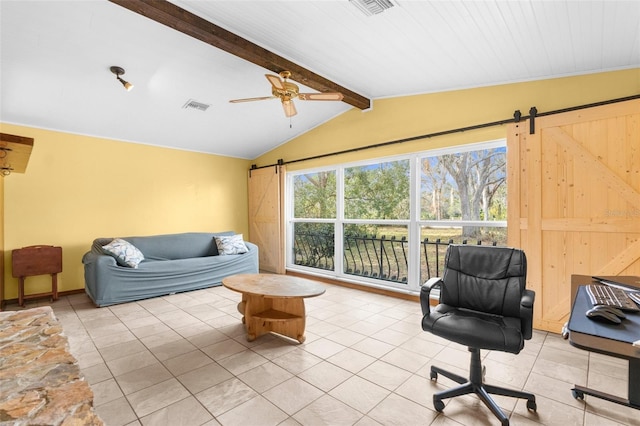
[[433, 375], [438, 405], [531, 405], [577, 394]]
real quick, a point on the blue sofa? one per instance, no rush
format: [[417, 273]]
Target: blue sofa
[[172, 263]]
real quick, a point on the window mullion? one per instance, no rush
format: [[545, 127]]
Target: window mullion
[[288, 222], [339, 222], [413, 271]]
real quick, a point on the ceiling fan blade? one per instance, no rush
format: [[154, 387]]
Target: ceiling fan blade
[[261, 98], [289, 108], [327, 96], [275, 81]]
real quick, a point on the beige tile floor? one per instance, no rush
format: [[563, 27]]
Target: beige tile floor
[[184, 360]]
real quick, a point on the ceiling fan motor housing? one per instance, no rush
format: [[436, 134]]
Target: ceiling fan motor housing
[[289, 92]]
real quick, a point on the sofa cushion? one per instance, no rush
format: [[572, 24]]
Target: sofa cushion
[[177, 246], [125, 253], [232, 244]]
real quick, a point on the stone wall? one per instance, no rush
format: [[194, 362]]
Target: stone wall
[[40, 381]]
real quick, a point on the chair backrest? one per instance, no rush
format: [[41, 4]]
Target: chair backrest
[[484, 278]]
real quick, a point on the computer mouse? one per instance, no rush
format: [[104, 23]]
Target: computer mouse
[[602, 315], [611, 309]]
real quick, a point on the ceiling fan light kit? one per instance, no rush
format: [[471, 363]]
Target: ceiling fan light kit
[[287, 91], [118, 71]]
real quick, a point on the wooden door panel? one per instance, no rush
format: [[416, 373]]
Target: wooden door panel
[[595, 172], [574, 200], [265, 207]]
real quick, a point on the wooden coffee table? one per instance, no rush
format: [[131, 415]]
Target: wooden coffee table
[[273, 303]]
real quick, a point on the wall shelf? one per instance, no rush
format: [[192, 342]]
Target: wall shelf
[[14, 153]]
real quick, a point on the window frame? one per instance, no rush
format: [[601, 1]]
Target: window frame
[[414, 225]]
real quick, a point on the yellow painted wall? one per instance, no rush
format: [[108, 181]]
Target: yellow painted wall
[[78, 188], [405, 117]]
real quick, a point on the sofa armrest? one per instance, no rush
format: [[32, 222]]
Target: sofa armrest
[[97, 254], [250, 246], [93, 257]]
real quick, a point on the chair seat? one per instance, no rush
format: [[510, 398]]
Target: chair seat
[[475, 329]]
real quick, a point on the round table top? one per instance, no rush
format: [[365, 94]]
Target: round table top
[[273, 285]]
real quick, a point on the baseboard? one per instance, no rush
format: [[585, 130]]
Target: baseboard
[[60, 294], [356, 286]]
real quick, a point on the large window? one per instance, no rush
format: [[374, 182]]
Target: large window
[[386, 222]]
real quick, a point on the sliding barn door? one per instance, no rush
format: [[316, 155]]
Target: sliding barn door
[[574, 200], [265, 216]]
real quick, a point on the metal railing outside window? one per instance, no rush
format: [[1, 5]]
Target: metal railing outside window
[[373, 257]]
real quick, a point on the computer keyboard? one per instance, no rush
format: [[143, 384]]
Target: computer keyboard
[[601, 294]]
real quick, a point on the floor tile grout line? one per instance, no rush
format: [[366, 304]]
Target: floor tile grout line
[[545, 344]]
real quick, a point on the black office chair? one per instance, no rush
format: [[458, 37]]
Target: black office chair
[[483, 305]]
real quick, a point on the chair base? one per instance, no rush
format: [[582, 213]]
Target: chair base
[[475, 384]]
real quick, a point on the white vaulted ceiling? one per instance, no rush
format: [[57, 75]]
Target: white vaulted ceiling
[[55, 58]]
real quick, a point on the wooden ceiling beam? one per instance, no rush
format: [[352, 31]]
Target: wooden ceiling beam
[[192, 25]]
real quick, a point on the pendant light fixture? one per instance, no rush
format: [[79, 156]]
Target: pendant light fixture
[[118, 71]]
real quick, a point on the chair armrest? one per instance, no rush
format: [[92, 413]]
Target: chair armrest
[[526, 313], [425, 293], [527, 299]]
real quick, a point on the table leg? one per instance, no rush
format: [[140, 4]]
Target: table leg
[[633, 400], [242, 307], [254, 306], [284, 316], [634, 382], [295, 325], [21, 291], [54, 287]]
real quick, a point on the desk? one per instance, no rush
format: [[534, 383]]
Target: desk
[[607, 339]]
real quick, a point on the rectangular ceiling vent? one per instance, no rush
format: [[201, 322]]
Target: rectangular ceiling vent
[[191, 104], [372, 7]]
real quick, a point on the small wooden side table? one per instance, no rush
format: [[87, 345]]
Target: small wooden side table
[[36, 260], [273, 303]]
